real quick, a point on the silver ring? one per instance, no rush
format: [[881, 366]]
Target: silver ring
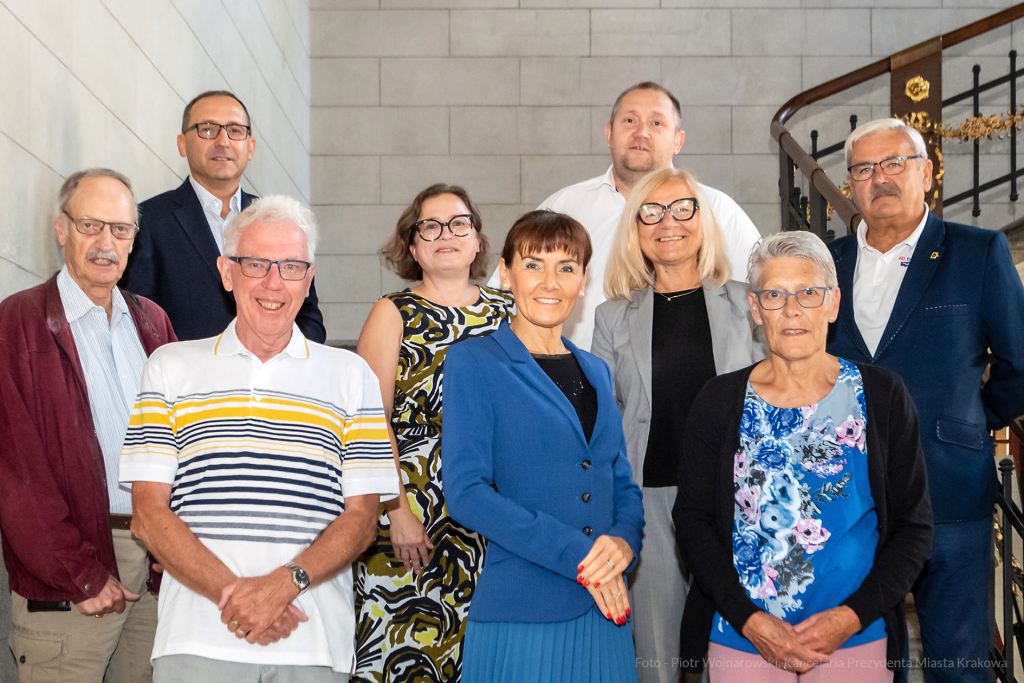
[[98, 616], [611, 564], [616, 595]]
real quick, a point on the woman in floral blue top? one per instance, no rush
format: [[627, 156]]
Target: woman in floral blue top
[[802, 509]]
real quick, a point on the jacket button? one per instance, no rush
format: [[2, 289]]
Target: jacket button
[[587, 530], [88, 586], [22, 659], [586, 497], [585, 464]]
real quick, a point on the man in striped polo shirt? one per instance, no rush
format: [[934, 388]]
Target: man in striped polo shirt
[[257, 460]]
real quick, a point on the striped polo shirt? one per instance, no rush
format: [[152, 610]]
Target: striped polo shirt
[[260, 458]]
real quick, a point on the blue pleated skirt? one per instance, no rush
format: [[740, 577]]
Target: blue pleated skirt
[[589, 649]]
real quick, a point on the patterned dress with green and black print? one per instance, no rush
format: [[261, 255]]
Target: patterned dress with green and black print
[[410, 626]]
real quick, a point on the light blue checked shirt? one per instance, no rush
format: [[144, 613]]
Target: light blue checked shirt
[[112, 358]]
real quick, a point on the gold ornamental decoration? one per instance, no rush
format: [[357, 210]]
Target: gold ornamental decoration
[[917, 89], [972, 128]]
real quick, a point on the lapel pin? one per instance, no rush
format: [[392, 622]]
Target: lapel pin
[[935, 254]]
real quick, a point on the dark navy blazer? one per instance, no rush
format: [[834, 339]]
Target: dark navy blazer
[[960, 297], [506, 422], [174, 263]]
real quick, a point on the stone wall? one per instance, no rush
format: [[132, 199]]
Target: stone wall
[[103, 83], [510, 97]]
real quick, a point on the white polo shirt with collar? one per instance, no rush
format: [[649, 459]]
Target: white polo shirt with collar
[[597, 205], [876, 282], [260, 457], [212, 208]]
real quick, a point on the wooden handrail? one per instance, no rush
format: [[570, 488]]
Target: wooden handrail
[[844, 208]]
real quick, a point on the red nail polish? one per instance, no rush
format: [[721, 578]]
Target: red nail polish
[[580, 569], [627, 611], [597, 585], [586, 583], [579, 579], [609, 615]]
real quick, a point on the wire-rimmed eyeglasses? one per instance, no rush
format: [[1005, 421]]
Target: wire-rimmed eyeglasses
[[890, 166], [652, 213], [94, 226]]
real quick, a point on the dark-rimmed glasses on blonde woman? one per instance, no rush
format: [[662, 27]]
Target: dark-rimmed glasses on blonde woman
[[651, 213]]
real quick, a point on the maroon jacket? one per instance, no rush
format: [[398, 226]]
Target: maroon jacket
[[54, 508]]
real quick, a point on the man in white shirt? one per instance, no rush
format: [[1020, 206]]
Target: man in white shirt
[[934, 301], [258, 460], [644, 133], [182, 231]]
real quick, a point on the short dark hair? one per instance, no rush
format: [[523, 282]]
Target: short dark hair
[[656, 87], [395, 254], [542, 231], [203, 96]]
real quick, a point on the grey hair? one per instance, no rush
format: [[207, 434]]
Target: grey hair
[[276, 208], [881, 126], [67, 190], [792, 244]]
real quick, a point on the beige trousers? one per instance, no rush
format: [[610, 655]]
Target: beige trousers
[[69, 647]]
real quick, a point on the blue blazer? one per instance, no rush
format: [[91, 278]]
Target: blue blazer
[[174, 263], [960, 297], [506, 423]]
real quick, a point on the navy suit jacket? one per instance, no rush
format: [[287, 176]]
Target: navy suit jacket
[[506, 422], [174, 263], [961, 296]]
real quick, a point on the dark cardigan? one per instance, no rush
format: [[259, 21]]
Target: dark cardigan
[[703, 511]]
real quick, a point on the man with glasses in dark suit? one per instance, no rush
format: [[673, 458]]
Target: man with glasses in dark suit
[[933, 301], [175, 258]]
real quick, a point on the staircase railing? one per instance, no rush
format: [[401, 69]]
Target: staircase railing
[[918, 67]]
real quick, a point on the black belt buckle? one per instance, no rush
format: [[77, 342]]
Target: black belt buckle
[[49, 606]]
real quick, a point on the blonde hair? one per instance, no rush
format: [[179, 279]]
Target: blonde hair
[[629, 270]]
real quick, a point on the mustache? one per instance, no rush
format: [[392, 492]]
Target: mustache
[[99, 253], [885, 190]]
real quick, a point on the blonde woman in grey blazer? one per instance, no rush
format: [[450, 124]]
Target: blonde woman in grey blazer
[[673, 320]]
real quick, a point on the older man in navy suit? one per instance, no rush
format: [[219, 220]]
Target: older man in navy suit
[[932, 301], [181, 231]]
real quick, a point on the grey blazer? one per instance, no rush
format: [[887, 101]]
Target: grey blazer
[[622, 338]]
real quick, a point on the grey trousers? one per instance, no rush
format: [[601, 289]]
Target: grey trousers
[[657, 592], [193, 669]]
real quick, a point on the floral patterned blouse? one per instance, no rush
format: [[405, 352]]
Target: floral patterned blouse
[[805, 529]]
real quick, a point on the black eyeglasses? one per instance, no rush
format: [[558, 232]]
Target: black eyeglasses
[[259, 267], [430, 229], [211, 131], [807, 297], [94, 226], [890, 166], [652, 213]]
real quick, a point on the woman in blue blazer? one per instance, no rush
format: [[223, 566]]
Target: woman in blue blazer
[[535, 460]]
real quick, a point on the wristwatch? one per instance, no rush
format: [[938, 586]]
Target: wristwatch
[[299, 577]]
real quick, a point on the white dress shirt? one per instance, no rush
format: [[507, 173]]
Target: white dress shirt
[[112, 358], [876, 282], [597, 205], [212, 208]]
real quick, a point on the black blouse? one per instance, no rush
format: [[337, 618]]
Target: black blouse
[[565, 371], [682, 360]]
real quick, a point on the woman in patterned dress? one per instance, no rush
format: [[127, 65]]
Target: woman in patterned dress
[[414, 583]]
